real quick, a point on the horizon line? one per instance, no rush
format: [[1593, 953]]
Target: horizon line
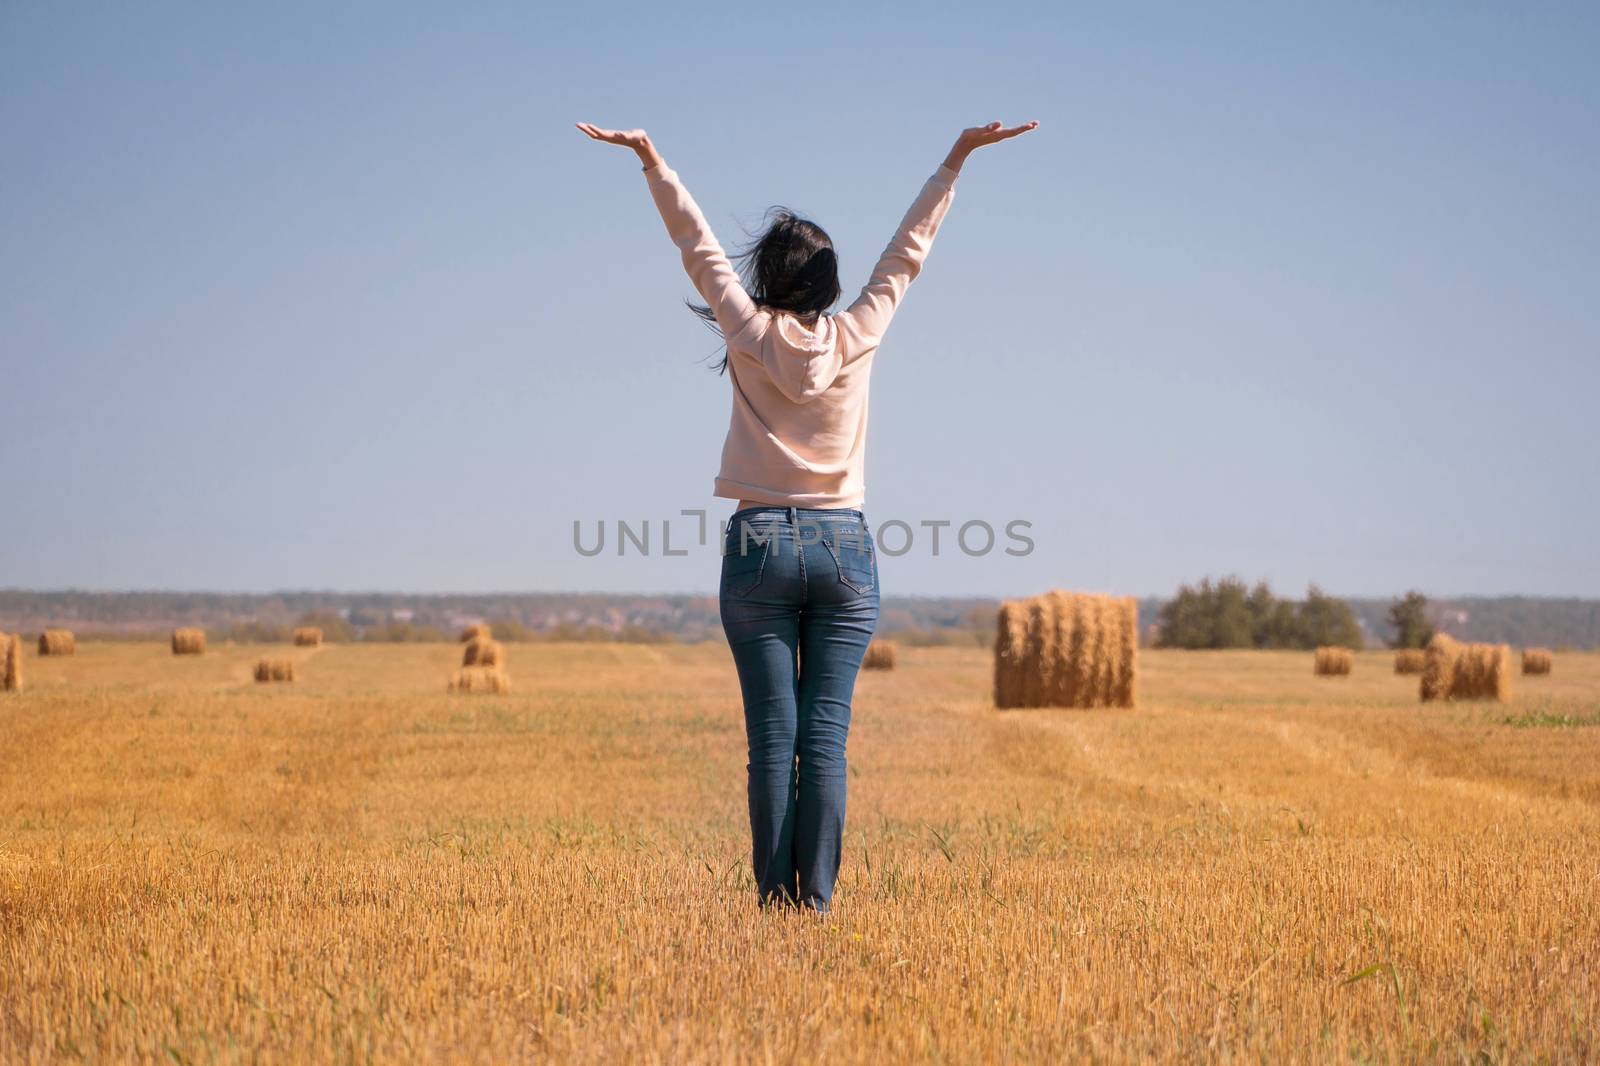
[[712, 594]]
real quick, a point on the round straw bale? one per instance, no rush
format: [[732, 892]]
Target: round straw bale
[[484, 653], [881, 655], [1536, 660], [275, 670], [1009, 636], [188, 641], [1456, 671], [1331, 661], [1409, 660], [1065, 649], [480, 679], [57, 642], [10, 663]]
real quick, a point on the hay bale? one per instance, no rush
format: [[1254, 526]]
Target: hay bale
[[881, 655], [307, 637], [188, 641], [1331, 661], [1438, 667], [10, 663], [275, 670], [58, 642], [1041, 623], [1065, 649], [1125, 652], [1053, 661], [476, 632], [1456, 671], [1483, 673], [484, 653], [1536, 660], [1119, 650], [490, 679], [1074, 661], [1066, 662], [1103, 678], [1409, 661], [1009, 634]]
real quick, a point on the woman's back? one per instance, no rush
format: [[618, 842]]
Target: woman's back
[[798, 429]]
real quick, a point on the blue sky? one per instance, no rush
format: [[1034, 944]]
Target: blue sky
[[294, 297]]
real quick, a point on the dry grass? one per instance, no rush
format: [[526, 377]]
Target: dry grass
[[10, 663], [484, 652], [308, 637], [1456, 671], [1331, 661], [1536, 661], [1253, 865], [1066, 649], [881, 655], [188, 641], [57, 642], [275, 670], [483, 679], [1410, 661]]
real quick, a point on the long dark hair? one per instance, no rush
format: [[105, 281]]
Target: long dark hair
[[790, 266]]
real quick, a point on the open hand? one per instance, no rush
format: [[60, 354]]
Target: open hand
[[634, 139], [638, 140], [993, 133], [978, 136]]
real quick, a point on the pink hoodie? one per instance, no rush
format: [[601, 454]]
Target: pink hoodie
[[799, 428]]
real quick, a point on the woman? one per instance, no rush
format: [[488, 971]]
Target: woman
[[799, 591]]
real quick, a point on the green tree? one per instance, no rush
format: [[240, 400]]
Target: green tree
[[1281, 628], [1185, 619], [1208, 615], [1225, 614], [1408, 615], [1234, 624], [1326, 619]]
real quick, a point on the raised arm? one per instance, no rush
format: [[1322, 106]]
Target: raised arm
[[868, 317], [705, 262]]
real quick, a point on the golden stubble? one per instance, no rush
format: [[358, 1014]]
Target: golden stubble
[[362, 866]]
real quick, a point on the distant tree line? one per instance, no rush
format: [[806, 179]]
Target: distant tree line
[[1559, 623], [1228, 614]]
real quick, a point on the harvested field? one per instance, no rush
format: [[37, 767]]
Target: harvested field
[[1252, 865]]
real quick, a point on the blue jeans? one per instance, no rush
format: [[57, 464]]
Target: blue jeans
[[799, 602]]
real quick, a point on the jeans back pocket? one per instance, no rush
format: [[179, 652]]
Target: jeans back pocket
[[853, 553], [744, 557]]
